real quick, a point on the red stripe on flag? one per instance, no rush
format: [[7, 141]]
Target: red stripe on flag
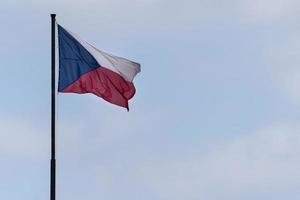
[[106, 84]]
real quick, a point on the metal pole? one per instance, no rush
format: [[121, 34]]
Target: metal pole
[[53, 164]]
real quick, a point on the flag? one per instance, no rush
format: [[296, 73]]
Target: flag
[[85, 69]]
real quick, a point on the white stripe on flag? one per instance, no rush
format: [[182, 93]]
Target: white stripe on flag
[[126, 68]]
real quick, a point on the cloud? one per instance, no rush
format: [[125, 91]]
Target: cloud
[[22, 138], [291, 82], [269, 9], [265, 162], [284, 57]]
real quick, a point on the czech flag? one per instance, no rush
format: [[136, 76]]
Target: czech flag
[[85, 69]]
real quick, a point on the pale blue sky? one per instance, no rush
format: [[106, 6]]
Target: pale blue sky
[[216, 113]]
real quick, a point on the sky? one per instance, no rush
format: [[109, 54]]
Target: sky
[[216, 113]]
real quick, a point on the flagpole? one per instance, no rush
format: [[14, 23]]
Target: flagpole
[[53, 162]]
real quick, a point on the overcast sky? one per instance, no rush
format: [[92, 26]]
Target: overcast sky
[[216, 114]]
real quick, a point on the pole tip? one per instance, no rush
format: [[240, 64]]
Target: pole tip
[[53, 15]]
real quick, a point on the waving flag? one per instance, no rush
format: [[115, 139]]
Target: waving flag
[[85, 69]]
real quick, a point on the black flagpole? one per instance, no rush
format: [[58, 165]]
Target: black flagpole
[[53, 164]]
